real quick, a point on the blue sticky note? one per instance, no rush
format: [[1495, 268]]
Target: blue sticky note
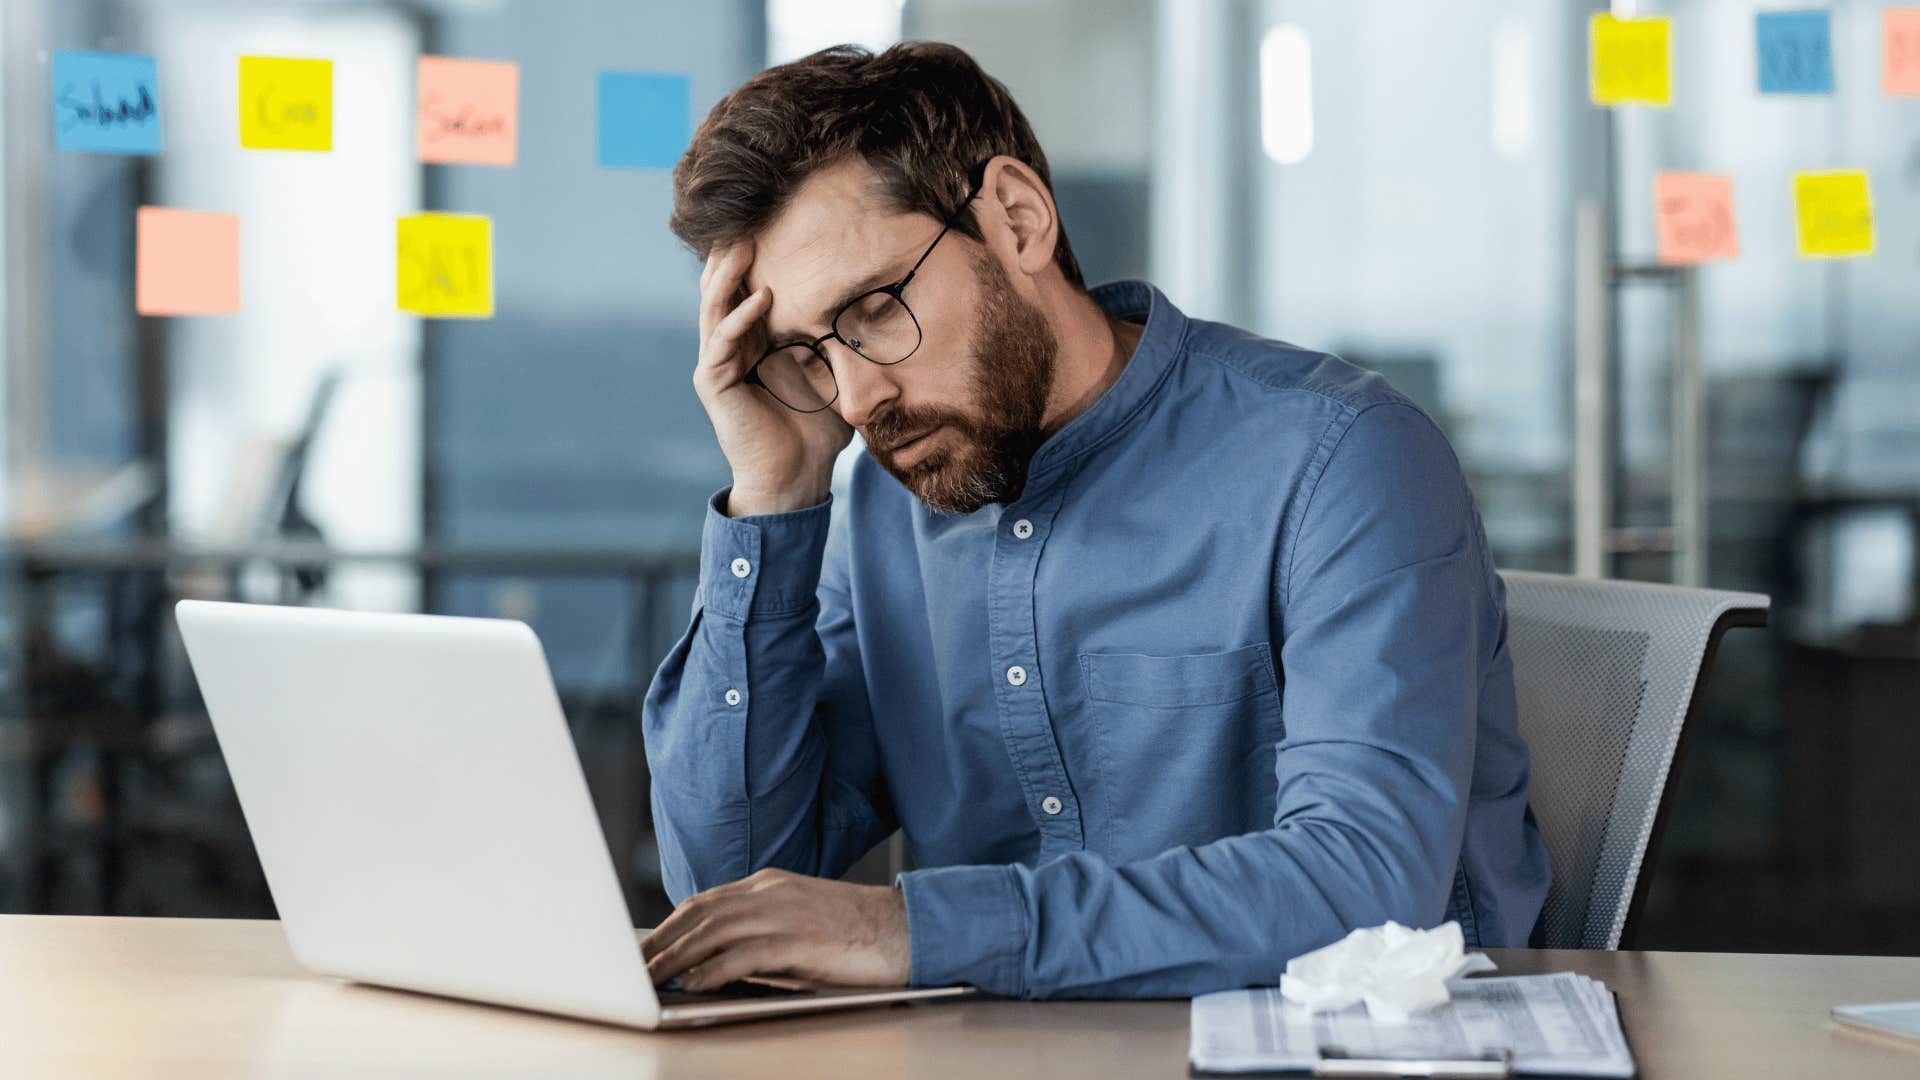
[[107, 103], [643, 119], [1796, 52]]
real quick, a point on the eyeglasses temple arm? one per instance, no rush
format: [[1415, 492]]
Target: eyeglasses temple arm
[[944, 230], [948, 227]]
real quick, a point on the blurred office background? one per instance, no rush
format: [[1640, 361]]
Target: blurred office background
[[1423, 188]]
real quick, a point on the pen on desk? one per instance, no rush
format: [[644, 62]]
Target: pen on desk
[[1335, 1061]]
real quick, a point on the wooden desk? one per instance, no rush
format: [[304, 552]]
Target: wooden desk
[[97, 997]]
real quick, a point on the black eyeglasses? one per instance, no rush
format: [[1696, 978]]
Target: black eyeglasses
[[877, 325]]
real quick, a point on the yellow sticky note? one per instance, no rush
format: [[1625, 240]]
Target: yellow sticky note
[[1834, 211], [286, 104], [1630, 61], [446, 265]]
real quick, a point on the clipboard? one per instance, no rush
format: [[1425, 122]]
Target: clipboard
[[1336, 1061], [1252, 1032]]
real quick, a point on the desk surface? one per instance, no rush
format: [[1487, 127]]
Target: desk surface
[[210, 998]]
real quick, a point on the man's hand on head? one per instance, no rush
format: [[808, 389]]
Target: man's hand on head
[[778, 923], [782, 459]]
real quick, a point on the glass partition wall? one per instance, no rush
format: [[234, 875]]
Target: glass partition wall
[[1424, 189]]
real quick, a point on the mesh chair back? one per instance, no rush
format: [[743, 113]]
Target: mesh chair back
[[1606, 673]]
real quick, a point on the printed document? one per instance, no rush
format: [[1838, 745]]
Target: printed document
[[1563, 1024]]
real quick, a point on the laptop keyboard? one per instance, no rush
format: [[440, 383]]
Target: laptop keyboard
[[671, 994]]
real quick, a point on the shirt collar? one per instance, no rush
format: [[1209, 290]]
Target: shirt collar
[[1139, 381]]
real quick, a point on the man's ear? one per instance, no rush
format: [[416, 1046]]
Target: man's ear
[[1014, 198]]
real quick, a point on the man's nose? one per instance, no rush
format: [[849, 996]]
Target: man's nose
[[864, 385]]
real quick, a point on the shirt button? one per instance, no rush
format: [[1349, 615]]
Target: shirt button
[[1022, 529], [1050, 804], [741, 568], [733, 697], [1017, 675]]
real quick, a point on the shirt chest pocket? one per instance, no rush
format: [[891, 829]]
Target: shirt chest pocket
[[1175, 682], [1185, 741]]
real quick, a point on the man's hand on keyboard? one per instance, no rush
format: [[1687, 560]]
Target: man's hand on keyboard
[[777, 923]]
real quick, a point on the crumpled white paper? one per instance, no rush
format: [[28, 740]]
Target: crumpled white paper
[[1396, 971]]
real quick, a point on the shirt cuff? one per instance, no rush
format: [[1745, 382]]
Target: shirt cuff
[[966, 924], [766, 564]]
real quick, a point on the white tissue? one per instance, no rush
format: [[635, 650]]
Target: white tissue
[[1396, 971]]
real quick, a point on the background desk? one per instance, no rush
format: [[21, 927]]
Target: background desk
[[91, 996]]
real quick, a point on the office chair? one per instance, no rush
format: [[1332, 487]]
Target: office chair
[[1608, 674]]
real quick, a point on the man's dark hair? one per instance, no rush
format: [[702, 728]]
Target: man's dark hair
[[922, 115]]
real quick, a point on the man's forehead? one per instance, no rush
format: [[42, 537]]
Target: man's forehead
[[832, 235]]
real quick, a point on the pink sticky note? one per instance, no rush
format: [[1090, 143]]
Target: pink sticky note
[[1693, 214], [468, 111], [186, 262], [1901, 64]]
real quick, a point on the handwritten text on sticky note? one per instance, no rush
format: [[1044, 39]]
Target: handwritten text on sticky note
[[108, 103], [1630, 61], [1900, 65], [1795, 52], [643, 119], [286, 104], [446, 265], [468, 111], [186, 262], [1834, 213], [1693, 214]]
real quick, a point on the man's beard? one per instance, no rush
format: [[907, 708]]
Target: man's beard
[[1013, 350]]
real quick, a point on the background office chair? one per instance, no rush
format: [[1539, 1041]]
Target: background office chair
[[1608, 673]]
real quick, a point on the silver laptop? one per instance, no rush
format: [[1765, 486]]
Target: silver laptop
[[413, 791]]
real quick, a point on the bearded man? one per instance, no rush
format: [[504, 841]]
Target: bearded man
[[1174, 651]]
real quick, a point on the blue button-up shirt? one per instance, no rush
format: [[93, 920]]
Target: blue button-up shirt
[[1228, 680]]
